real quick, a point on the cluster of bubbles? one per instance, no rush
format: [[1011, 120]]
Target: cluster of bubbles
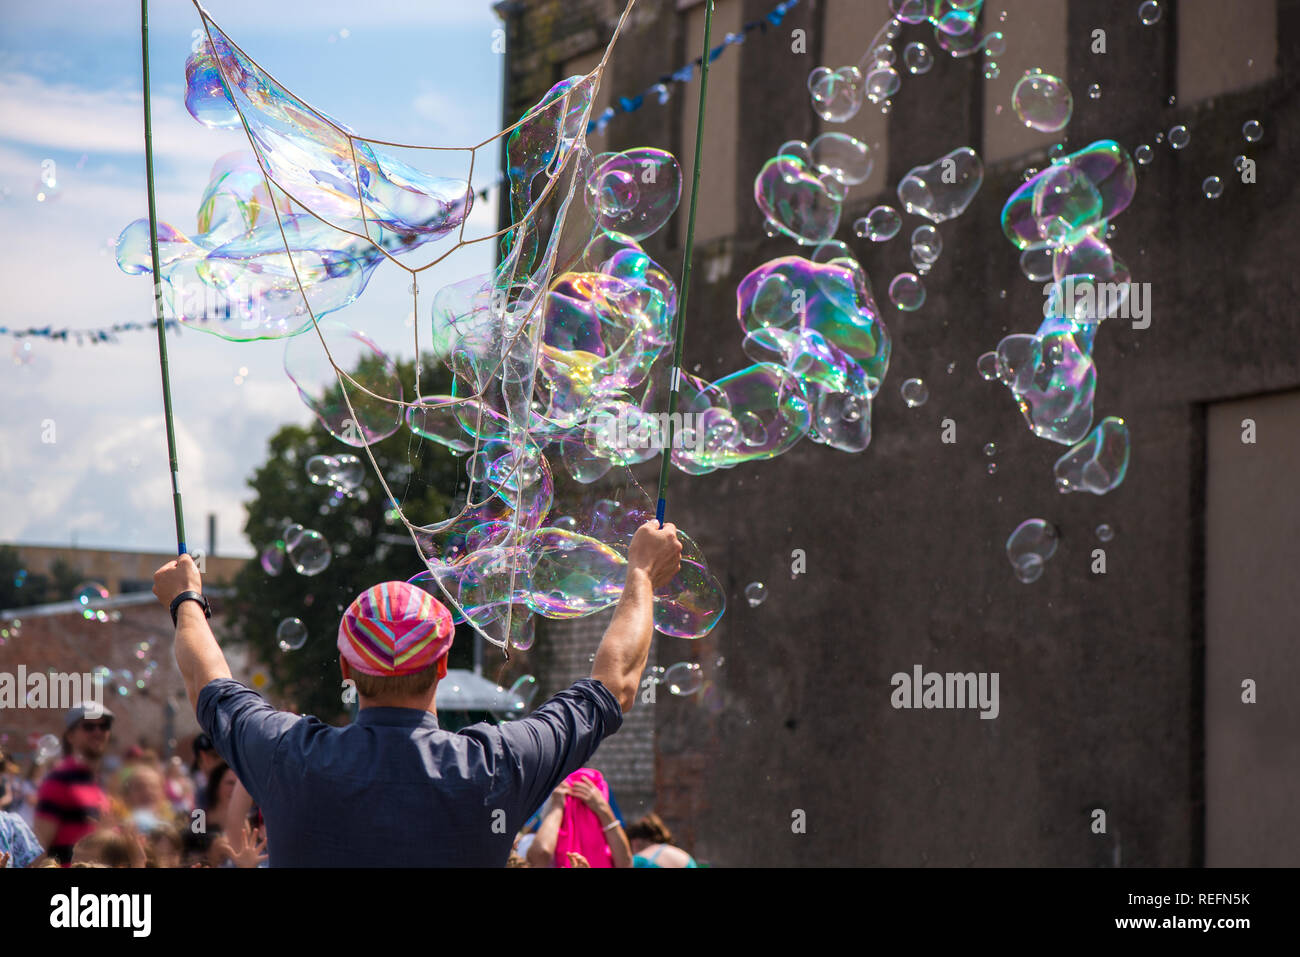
[[552, 355], [306, 550], [838, 94], [816, 319], [1060, 219]]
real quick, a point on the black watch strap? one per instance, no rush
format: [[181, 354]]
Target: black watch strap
[[190, 596]]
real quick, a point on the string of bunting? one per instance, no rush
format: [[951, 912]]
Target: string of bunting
[[658, 92]]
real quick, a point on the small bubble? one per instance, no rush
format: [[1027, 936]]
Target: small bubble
[[991, 71], [952, 367], [990, 448], [755, 594], [1149, 12], [1094, 92], [1160, 137], [1179, 137], [914, 392], [1172, 100], [1252, 130], [987, 364], [1212, 187], [993, 467], [1239, 163], [1105, 533]]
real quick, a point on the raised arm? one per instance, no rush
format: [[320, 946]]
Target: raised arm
[[652, 560], [198, 655]]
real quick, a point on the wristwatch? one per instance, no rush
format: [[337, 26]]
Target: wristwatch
[[190, 596]]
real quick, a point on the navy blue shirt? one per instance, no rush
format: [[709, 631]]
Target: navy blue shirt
[[393, 789]]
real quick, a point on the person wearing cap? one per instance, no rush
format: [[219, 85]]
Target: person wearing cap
[[393, 789], [70, 801]]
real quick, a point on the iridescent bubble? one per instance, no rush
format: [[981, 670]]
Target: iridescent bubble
[[987, 364], [1144, 154], [990, 448], [1149, 12], [1099, 463], [837, 95], [1043, 102], [348, 473], [1105, 533], [841, 156], [1056, 401], [1094, 91], [880, 225], [1212, 187], [291, 634], [320, 468], [1252, 130], [914, 392], [1179, 137], [907, 292], [755, 594], [1030, 547], [90, 593], [310, 553], [684, 678], [1239, 163], [882, 83], [1076, 194], [372, 386], [992, 468], [1036, 262], [796, 200], [48, 747], [943, 189], [918, 58], [926, 243], [633, 193]]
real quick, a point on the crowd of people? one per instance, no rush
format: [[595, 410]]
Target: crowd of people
[[85, 810]]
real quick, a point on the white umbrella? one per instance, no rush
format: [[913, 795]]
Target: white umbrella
[[463, 690]]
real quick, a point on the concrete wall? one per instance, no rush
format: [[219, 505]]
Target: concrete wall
[[1102, 677]]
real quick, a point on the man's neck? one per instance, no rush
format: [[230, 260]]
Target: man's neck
[[415, 703]]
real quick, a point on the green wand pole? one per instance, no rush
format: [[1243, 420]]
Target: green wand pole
[[675, 382], [157, 287]]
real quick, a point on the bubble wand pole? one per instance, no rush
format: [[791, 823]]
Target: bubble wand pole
[[675, 382], [157, 287]]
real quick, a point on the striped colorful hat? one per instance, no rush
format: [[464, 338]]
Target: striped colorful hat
[[394, 629]]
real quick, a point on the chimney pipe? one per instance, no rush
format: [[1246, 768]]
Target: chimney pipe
[[212, 533]]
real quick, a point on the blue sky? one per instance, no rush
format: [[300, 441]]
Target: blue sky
[[70, 92]]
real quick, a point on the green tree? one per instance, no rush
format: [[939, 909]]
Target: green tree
[[369, 546]]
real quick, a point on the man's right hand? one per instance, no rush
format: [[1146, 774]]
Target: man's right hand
[[656, 551]]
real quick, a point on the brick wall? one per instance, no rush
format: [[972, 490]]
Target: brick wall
[[627, 759], [71, 644]]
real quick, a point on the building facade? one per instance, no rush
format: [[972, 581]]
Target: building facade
[[1156, 692]]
